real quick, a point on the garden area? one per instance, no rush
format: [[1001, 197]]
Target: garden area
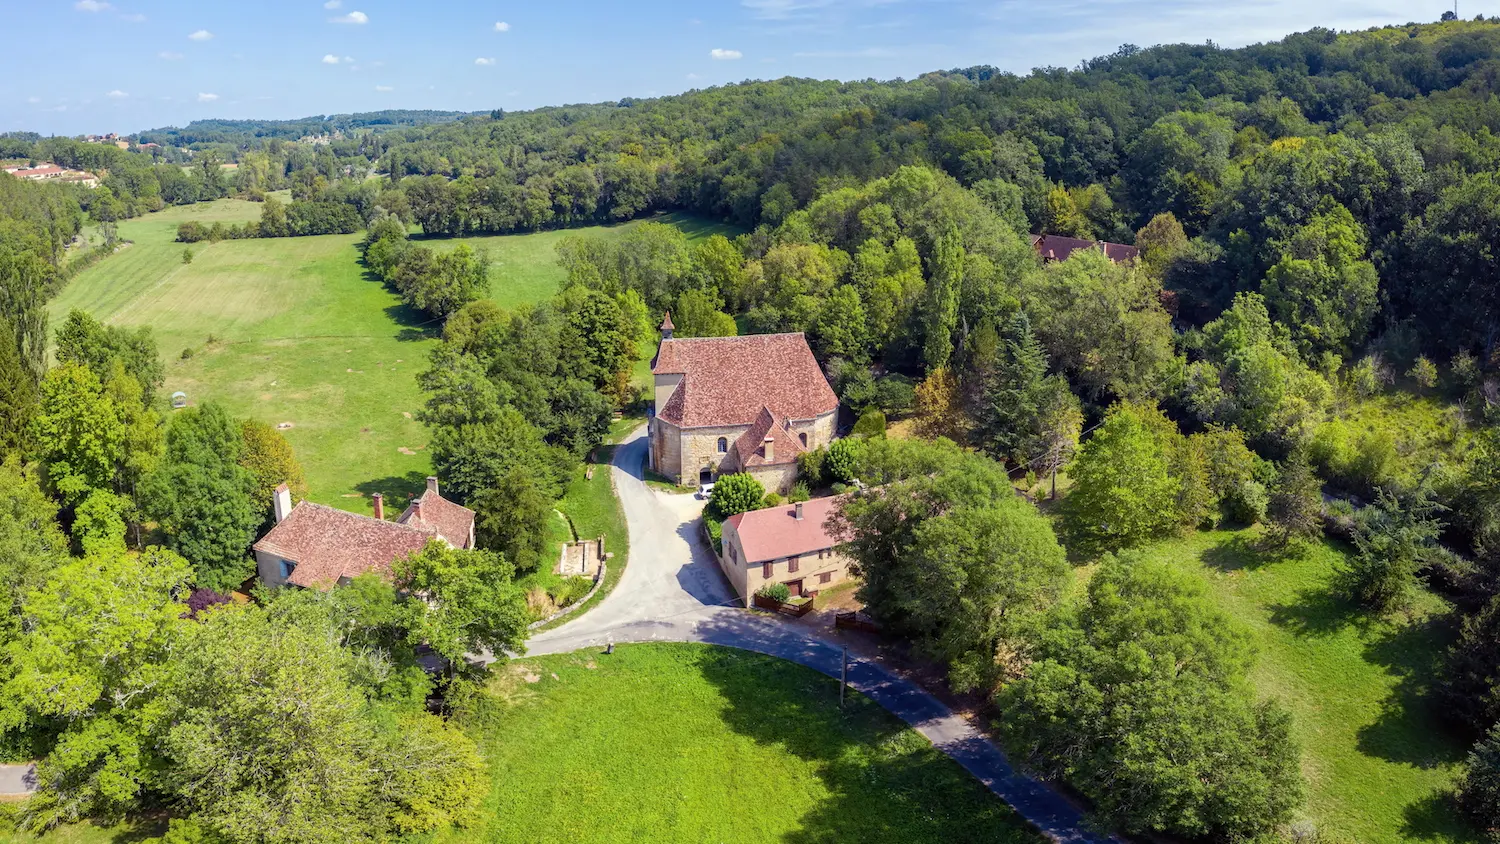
[[690, 743]]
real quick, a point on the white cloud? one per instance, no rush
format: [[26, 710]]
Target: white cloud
[[482, 62], [352, 17], [92, 6], [117, 94], [330, 59], [201, 35], [207, 98], [725, 55], [502, 26], [169, 55], [384, 89], [332, 4]]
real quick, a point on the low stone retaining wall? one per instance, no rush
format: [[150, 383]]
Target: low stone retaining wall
[[568, 610]]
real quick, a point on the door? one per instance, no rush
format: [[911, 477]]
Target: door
[[795, 587]]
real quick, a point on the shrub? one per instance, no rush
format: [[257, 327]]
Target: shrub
[[187, 255], [570, 591], [734, 494], [1479, 790], [811, 465], [772, 499], [843, 460], [715, 534], [1246, 504], [775, 591], [1424, 372], [895, 394], [871, 425], [187, 354], [800, 492]]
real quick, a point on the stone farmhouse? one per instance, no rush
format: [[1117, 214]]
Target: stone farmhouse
[[738, 404], [788, 544], [319, 547]]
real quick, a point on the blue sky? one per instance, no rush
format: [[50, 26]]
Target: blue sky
[[77, 66]]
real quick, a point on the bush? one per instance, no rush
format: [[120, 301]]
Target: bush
[[1479, 790], [187, 354], [772, 499], [811, 465], [871, 425], [843, 460], [734, 494], [800, 492], [570, 591], [1246, 504], [775, 591], [895, 394], [715, 534]]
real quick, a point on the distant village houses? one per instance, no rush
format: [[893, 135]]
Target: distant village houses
[[738, 404], [53, 173]]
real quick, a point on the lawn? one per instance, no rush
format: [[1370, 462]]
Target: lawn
[[690, 743], [593, 510], [1377, 763], [291, 330]]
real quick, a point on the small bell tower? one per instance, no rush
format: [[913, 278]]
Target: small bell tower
[[667, 327]]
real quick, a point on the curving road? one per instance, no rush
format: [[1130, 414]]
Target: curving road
[[672, 590]]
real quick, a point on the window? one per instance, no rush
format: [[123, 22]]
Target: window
[[287, 567], [768, 571], [732, 558], [723, 445], [821, 552], [792, 563], [824, 577], [803, 438]]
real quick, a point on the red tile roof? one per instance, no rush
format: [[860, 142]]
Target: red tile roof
[[1053, 247], [775, 532], [329, 544], [452, 522], [727, 381], [785, 445]]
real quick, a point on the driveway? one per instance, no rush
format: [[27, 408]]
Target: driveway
[[672, 590]]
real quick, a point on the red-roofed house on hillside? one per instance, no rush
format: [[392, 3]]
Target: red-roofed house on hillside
[[738, 404], [788, 544], [1051, 248], [316, 546]]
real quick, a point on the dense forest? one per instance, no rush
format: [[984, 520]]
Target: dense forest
[[1318, 219]]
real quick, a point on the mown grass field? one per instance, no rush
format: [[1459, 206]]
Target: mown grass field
[[302, 335], [1377, 762], [689, 743]]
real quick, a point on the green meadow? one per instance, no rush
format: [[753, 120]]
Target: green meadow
[[293, 332]]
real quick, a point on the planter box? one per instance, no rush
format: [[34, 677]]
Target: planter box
[[794, 610]]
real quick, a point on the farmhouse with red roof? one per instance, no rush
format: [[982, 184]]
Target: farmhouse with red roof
[[316, 546], [788, 544], [1051, 248], [738, 404]]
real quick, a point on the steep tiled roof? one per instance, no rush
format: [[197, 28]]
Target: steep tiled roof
[[776, 532], [785, 445], [1053, 247], [328, 544], [728, 380], [452, 522]]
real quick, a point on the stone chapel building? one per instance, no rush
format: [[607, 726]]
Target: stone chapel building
[[738, 404]]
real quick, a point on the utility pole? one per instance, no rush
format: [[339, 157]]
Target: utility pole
[[844, 677]]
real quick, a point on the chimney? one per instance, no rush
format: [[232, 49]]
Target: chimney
[[667, 327], [768, 448], [798, 508], [282, 502], [416, 510], [432, 486], [380, 506]]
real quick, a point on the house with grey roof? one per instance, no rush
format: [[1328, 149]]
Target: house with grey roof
[[317, 546]]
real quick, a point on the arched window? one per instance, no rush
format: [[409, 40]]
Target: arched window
[[723, 445], [803, 437]]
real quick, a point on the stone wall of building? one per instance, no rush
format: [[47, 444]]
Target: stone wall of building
[[779, 477], [817, 571], [700, 448]]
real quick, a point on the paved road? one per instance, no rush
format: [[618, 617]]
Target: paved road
[[672, 591], [17, 779]]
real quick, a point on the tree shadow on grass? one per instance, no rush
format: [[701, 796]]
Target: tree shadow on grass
[[1317, 611], [1241, 552], [1436, 818], [1409, 729], [885, 783], [398, 491]]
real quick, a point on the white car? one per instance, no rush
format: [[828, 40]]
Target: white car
[[705, 491]]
